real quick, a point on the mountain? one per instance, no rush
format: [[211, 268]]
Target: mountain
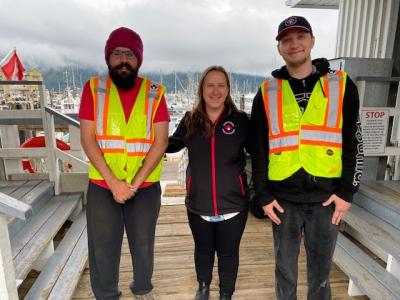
[[59, 79]]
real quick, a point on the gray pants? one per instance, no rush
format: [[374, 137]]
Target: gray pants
[[106, 221], [314, 221]]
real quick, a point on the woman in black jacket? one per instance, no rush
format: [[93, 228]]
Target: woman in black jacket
[[216, 134]]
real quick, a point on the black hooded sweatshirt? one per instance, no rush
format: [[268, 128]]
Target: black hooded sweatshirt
[[302, 187]]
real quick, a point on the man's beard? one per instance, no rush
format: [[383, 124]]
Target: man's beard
[[299, 63], [127, 79]]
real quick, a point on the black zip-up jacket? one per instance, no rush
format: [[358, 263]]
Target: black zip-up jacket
[[215, 178], [302, 187]]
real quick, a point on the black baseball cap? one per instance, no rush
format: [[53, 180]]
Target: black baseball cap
[[293, 22]]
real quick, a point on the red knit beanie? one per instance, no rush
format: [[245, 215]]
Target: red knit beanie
[[124, 37]]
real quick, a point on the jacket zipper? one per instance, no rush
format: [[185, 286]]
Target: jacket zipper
[[188, 181], [213, 171]]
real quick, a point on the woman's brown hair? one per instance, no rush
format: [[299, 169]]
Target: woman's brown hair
[[198, 119]]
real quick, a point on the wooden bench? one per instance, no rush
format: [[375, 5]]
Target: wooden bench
[[34, 193], [37, 235], [59, 278], [380, 237], [372, 226], [366, 274], [381, 199]]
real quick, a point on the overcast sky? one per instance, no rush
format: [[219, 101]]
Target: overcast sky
[[181, 35]]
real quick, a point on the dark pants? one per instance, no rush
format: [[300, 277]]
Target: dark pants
[[314, 221], [222, 237], [106, 221]]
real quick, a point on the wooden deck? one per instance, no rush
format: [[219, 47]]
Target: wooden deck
[[174, 275]]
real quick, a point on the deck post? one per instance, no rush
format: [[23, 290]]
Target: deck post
[[49, 135], [8, 289], [47, 253], [353, 290], [76, 147], [182, 165], [393, 266], [10, 139]]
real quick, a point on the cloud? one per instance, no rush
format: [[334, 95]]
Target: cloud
[[177, 34]]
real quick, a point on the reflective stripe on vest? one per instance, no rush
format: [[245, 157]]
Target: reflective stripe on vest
[[111, 145], [138, 149], [286, 143], [320, 137], [102, 94], [333, 89], [273, 105]]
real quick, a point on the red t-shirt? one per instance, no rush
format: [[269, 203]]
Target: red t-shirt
[[128, 98]]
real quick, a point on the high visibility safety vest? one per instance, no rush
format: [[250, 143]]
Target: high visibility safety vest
[[312, 140], [124, 144]]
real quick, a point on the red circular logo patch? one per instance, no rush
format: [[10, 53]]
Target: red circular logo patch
[[228, 128]]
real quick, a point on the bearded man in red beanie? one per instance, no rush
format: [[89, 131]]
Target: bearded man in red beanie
[[124, 132]]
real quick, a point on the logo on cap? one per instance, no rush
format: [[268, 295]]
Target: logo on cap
[[290, 21], [228, 128]]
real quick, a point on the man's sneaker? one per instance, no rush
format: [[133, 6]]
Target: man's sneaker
[[148, 296]]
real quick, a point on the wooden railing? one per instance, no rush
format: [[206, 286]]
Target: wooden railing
[[11, 152], [182, 165]]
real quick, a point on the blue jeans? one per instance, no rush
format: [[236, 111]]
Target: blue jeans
[[106, 221], [314, 222]]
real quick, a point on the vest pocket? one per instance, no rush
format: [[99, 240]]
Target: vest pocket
[[329, 162]]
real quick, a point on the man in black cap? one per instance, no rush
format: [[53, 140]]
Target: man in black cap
[[307, 157]]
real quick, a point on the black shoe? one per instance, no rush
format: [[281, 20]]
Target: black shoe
[[203, 292], [131, 286], [224, 296]]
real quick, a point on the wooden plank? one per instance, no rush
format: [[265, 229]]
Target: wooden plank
[[69, 278], [40, 190], [377, 233], [36, 198], [386, 196], [28, 176], [51, 272], [14, 153], [20, 114], [29, 230], [7, 187], [71, 159], [391, 184], [33, 249], [380, 201], [174, 190], [14, 208], [8, 290], [25, 188], [367, 274]]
